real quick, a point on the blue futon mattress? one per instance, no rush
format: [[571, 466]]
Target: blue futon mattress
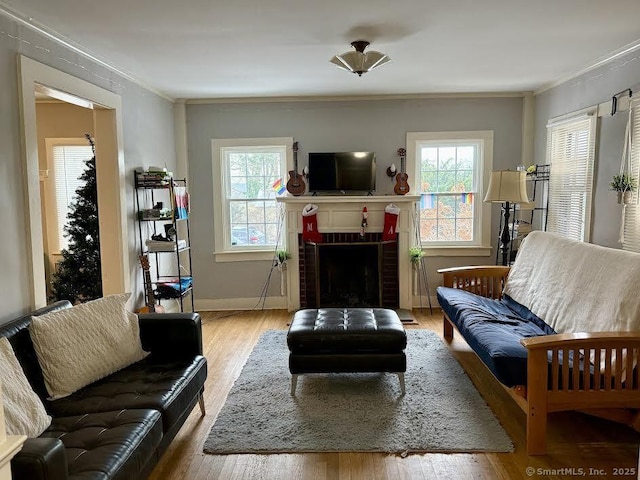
[[493, 329]]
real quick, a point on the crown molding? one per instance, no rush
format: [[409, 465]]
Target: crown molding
[[352, 98], [631, 47], [60, 39]]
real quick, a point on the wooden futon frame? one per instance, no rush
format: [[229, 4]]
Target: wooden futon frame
[[611, 392]]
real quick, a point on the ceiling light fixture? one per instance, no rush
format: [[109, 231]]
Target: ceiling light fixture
[[359, 62]]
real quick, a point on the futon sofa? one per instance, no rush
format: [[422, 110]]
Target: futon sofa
[[119, 426], [560, 328]]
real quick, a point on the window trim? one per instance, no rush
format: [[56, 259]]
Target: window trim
[[590, 115], [52, 224], [221, 251], [482, 246]]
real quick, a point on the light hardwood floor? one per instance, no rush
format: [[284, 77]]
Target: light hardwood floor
[[575, 441]]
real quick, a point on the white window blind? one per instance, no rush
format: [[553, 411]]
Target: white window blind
[[68, 166], [571, 153], [632, 216]]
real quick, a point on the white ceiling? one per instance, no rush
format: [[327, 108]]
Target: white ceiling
[[253, 48]]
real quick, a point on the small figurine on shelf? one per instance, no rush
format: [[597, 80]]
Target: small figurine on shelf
[[160, 238], [170, 232]]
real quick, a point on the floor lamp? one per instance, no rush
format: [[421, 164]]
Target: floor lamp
[[507, 187]]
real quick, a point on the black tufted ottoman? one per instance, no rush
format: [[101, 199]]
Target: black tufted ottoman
[[335, 340]]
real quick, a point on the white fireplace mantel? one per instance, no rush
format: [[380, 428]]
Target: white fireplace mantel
[[343, 213]]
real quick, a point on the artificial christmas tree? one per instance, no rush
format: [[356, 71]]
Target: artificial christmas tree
[[79, 276]]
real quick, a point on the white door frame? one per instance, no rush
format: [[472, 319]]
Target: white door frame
[[110, 174]]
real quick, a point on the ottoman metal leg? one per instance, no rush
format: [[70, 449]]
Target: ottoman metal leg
[[401, 378], [294, 382]]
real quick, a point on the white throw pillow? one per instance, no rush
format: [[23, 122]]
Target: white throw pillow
[[79, 345], [24, 413]]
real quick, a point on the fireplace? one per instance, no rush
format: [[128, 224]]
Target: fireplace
[[348, 270], [348, 275]]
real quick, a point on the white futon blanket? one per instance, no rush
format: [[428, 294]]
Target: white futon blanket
[[576, 286]]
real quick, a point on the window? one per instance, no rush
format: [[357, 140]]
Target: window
[[452, 168], [247, 217], [571, 153], [632, 214], [66, 158]]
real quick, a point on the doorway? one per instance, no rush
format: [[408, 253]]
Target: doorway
[[107, 128], [63, 154]]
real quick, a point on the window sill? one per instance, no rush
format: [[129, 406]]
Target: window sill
[[244, 256], [471, 251]]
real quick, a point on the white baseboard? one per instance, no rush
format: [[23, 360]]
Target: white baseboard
[[272, 303], [217, 304]]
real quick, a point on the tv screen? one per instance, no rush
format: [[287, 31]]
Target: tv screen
[[342, 171]]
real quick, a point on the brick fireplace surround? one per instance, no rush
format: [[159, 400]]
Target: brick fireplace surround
[[339, 219]]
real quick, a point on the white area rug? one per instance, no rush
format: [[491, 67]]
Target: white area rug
[[441, 411]]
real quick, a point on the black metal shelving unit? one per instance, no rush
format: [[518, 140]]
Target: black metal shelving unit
[[539, 181], [151, 190]]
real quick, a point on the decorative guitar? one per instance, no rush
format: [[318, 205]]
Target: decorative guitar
[[295, 185], [401, 187], [151, 306]]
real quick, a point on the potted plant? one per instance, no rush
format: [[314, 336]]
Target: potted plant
[[415, 253], [624, 184], [281, 259]]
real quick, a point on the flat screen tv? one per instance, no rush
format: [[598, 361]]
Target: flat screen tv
[[342, 172]]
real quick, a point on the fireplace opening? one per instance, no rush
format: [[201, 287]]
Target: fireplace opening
[[348, 275], [346, 269]]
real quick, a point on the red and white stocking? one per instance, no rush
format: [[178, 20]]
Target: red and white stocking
[[310, 224], [391, 213]]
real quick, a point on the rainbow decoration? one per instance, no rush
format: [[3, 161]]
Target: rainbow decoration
[[466, 198], [427, 201], [279, 187]]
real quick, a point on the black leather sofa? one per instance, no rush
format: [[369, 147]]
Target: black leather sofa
[[119, 426]]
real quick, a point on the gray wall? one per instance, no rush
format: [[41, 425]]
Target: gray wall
[[371, 125], [148, 140], [589, 89]]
